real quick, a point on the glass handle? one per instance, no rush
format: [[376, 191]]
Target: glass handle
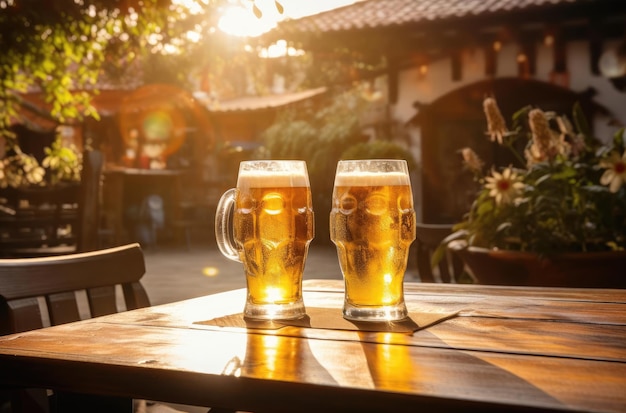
[[223, 227]]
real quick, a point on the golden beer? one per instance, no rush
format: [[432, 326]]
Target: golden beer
[[272, 227], [373, 225]]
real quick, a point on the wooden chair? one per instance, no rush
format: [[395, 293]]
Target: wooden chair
[[428, 238], [38, 292]]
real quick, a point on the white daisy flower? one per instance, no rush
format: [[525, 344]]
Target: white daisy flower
[[505, 187], [615, 174]]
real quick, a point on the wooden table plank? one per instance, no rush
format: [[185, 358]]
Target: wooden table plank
[[578, 294], [586, 341]]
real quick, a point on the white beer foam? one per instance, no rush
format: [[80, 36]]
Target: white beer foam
[[371, 179], [272, 179]]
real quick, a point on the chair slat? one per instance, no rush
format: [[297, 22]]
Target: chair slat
[[24, 315], [444, 271], [29, 400], [423, 263], [135, 296], [102, 301], [62, 308]]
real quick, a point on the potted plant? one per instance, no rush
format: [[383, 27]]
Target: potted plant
[[558, 218]]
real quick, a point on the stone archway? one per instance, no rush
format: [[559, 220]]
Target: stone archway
[[456, 120]]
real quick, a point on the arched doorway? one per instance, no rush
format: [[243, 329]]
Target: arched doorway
[[456, 120]]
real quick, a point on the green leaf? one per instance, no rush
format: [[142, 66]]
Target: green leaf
[[485, 208], [564, 174], [596, 189], [580, 120], [618, 139], [504, 226], [542, 179], [438, 255], [520, 116]]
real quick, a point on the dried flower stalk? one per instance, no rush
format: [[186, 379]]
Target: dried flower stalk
[[496, 127], [471, 160], [545, 145]]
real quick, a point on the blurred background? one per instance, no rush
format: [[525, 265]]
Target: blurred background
[[175, 93]]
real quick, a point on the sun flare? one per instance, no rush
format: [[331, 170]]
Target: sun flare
[[241, 21], [238, 21]]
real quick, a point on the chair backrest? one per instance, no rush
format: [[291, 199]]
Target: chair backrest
[[427, 238], [36, 292]]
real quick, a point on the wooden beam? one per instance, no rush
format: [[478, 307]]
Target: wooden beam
[[595, 46], [559, 53], [392, 79], [491, 60], [456, 58], [527, 58]]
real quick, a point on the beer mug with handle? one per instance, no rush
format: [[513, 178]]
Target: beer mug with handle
[[272, 227], [372, 224]]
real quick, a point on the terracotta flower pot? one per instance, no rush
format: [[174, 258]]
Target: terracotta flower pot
[[577, 269]]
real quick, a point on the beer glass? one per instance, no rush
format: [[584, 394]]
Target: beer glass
[[372, 224], [272, 227]]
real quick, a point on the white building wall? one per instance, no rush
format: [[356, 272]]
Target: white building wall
[[437, 82]]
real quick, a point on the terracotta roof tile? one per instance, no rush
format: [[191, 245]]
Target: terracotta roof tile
[[388, 13]]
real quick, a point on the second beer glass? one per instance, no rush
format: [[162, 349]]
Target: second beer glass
[[372, 224], [272, 226]]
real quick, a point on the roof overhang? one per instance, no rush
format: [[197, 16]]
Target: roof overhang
[[425, 26], [256, 103]]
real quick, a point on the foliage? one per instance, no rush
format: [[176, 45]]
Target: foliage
[[63, 163], [19, 169], [69, 49], [318, 136], [379, 150], [570, 195]]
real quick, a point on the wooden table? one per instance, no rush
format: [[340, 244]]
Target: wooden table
[[507, 349]]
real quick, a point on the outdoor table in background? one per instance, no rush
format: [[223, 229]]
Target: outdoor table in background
[[37, 221], [488, 348], [124, 191]]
